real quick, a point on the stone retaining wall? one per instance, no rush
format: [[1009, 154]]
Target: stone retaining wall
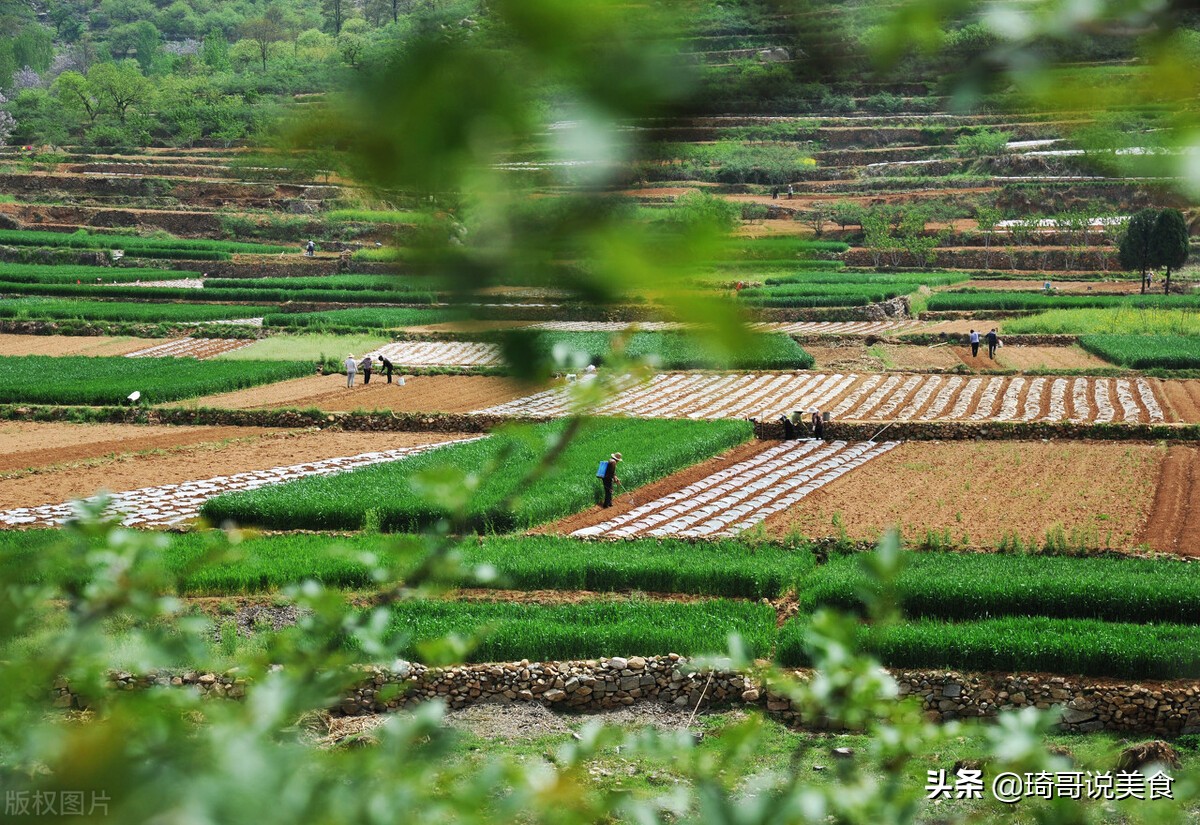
[[1087, 704], [472, 423]]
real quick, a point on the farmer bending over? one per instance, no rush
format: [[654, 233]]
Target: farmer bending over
[[610, 477]]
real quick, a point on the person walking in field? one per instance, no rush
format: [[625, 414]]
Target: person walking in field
[[609, 477], [310, 249], [818, 424], [974, 344], [993, 340], [791, 191], [386, 366], [351, 370], [365, 366]]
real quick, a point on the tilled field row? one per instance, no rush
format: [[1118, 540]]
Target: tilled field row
[[896, 397], [732, 500], [168, 504], [192, 348]]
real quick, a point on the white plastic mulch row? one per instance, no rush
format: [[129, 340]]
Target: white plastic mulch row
[[734, 499], [192, 348], [897, 397], [168, 504], [606, 326], [837, 327], [439, 354]]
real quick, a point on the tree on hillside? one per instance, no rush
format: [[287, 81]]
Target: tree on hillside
[[1134, 249], [334, 11], [119, 85], [1169, 243], [846, 213], [264, 32], [986, 218], [8, 123], [77, 95]]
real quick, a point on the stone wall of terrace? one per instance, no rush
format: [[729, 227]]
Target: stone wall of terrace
[[1086, 704]]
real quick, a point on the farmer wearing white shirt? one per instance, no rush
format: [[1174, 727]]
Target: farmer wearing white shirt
[[351, 370]]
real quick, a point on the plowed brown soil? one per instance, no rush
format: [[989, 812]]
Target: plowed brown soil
[[1182, 400], [1174, 523], [1100, 494], [200, 461], [422, 393], [883, 357], [25, 444], [962, 327], [73, 344], [624, 502], [1031, 358]]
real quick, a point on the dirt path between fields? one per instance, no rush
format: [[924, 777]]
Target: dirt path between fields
[[422, 393], [624, 502], [1174, 523]]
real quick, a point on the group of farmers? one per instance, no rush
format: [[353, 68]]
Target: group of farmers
[[365, 366]]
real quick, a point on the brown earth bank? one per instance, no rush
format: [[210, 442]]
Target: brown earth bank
[[422, 393], [26, 445], [74, 344], [978, 494], [855, 356], [623, 501], [1031, 358], [199, 461]]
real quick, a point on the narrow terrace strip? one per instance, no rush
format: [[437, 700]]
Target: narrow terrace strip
[[732, 500], [169, 504], [839, 327], [606, 326], [201, 348], [440, 354], [895, 397]]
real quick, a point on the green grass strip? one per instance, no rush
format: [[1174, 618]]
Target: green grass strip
[[54, 309], [977, 586], [1144, 352], [1127, 321], [268, 563], [132, 244], [389, 493], [42, 379], [1067, 646], [995, 300], [587, 630]]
